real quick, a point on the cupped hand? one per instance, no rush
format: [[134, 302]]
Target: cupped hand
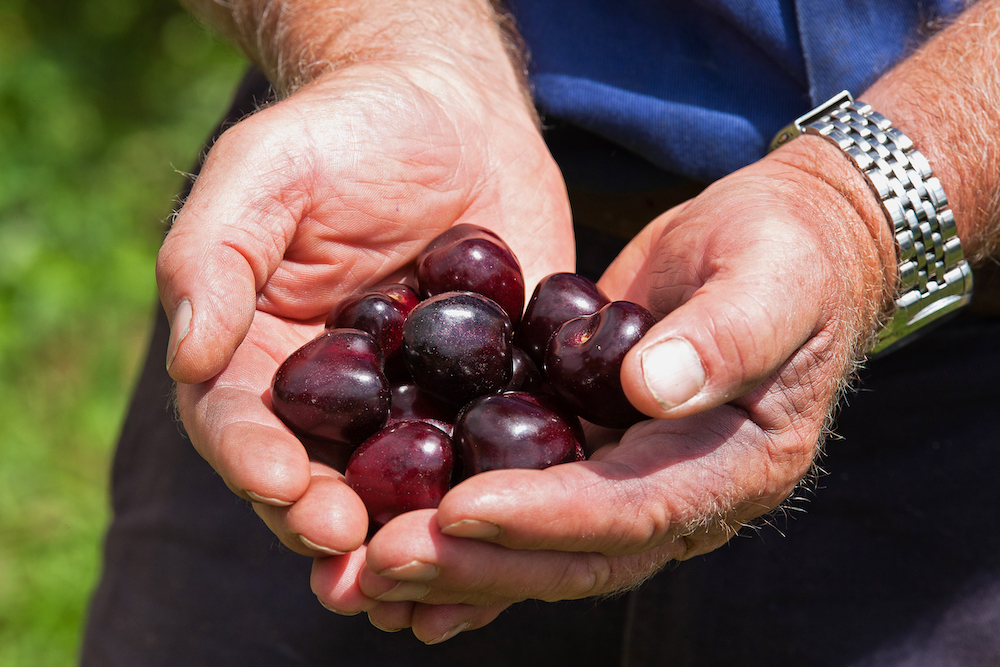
[[329, 191], [769, 285]]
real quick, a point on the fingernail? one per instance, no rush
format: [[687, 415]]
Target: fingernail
[[180, 327], [414, 571], [380, 627], [337, 611], [472, 528], [461, 627], [672, 372], [403, 591], [315, 547], [257, 498]]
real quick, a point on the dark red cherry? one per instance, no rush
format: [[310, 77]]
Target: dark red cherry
[[557, 299], [472, 259], [404, 294], [457, 346], [515, 430], [403, 467], [333, 389], [584, 359], [410, 403], [525, 376], [381, 313]]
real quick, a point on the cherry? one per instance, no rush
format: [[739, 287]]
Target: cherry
[[410, 403], [401, 292], [403, 467], [457, 346], [525, 375], [515, 430], [557, 299], [332, 389], [379, 312], [584, 358], [473, 259]]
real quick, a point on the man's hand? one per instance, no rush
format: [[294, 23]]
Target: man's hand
[[769, 285], [331, 190]]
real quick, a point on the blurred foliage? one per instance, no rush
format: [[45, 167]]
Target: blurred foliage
[[103, 105]]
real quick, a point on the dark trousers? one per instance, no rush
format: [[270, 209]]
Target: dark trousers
[[893, 559]]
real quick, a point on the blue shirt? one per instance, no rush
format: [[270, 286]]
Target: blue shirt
[[700, 87]]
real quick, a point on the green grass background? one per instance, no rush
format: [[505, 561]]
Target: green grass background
[[102, 104]]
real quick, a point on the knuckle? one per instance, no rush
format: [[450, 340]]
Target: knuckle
[[584, 575]]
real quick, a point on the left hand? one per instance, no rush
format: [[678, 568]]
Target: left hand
[[769, 285]]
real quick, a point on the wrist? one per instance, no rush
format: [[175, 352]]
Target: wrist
[[849, 216], [943, 98], [298, 41]]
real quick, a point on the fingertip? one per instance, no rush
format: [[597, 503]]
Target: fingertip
[[329, 518], [450, 633], [334, 581], [257, 498], [475, 529], [209, 292], [436, 624], [267, 464], [203, 339], [326, 551]]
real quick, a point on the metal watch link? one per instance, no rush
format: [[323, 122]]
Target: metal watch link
[[934, 278]]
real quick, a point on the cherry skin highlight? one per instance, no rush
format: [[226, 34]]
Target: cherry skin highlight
[[457, 346], [403, 467], [381, 313], [515, 430], [557, 299], [584, 359], [472, 259], [332, 389]]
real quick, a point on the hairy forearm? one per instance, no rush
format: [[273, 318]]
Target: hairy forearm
[[297, 41], [944, 97]]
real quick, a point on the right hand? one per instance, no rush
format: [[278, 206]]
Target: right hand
[[329, 191]]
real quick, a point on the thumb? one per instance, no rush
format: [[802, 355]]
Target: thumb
[[741, 317], [218, 254], [207, 289], [208, 294]]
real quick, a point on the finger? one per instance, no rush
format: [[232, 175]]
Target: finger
[[334, 581], [666, 480], [448, 570], [221, 249], [256, 455], [231, 424], [261, 462], [392, 616], [328, 520], [745, 275], [726, 329], [435, 624]]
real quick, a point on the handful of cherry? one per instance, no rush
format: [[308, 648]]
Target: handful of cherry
[[430, 386]]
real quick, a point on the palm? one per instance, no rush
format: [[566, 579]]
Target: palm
[[342, 190], [332, 190]]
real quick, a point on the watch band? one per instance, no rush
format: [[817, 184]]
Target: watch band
[[934, 278]]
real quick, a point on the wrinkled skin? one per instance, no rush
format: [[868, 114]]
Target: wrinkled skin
[[772, 278], [666, 488], [330, 191]]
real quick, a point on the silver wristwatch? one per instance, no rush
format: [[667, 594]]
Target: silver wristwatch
[[934, 278]]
